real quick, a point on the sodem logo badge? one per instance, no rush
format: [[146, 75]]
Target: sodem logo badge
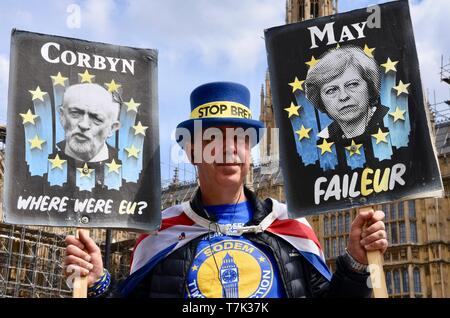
[[244, 271]]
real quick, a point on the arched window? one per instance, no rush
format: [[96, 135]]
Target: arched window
[[325, 225], [412, 209], [340, 223], [341, 245], [393, 212], [413, 230], [405, 281], [314, 8], [327, 248], [394, 231], [301, 10], [402, 231], [334, 247], [396, 282], [401, 211], [389, 282], [347, 222], [417, 284], [333, 225]]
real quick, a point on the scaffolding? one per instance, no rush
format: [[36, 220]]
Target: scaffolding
[[32, 263]]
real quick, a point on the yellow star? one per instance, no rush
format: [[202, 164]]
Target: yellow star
[[194, 268], [325, 146], [354, 148], [303, 133], [402, 88], [338, 46], [57, 162], [113, 86], [398, 114], [312, 62], [292, 110], [132, 151], [36, 142], [139, 129], [28, 117], [86, 77], [85, 171], [368, 50], [113, 166], [389, 65], [37, 94], [59, 79], [380, 136], [296, 84], [261, 259], [132, 105]]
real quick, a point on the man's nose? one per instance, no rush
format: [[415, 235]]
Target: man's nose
[[84, 123]]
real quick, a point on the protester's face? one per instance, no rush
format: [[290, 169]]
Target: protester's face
[[346, 98], [230, 162], [87, 124]]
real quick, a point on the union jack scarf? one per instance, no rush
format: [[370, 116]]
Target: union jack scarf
[[180, 225]]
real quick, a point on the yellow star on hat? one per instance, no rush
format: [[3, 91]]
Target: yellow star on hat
[[303, 133], [325, 146], [85, 171], [292, 110], [86, 77], [37, 94], [132, 151], [57, 162], [398, 114], [28, 117], [36, 142], [380, 136], [113, 166], [296, 84], [354, 148]]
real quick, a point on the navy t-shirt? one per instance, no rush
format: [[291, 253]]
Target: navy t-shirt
[[232, 266]]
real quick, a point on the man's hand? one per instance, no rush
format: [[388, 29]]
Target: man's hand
[[83, 256], [369, 238]]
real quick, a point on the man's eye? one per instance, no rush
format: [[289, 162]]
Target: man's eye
[[97, 121], [75, 114]]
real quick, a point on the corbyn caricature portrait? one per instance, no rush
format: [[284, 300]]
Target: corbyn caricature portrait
[[89, 115]]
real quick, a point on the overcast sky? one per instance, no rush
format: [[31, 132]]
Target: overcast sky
[[200, 41]]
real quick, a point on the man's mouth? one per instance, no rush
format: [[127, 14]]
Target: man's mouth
[[80, 137]]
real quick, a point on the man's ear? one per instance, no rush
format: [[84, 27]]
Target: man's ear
[[114, 127]]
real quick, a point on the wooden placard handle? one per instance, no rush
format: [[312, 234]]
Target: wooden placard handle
[[80, 283], [375, 259]]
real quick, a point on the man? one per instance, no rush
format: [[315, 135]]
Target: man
[[89, 115], [226, 242]]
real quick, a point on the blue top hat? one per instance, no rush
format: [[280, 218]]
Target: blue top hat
[[221, 103]]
